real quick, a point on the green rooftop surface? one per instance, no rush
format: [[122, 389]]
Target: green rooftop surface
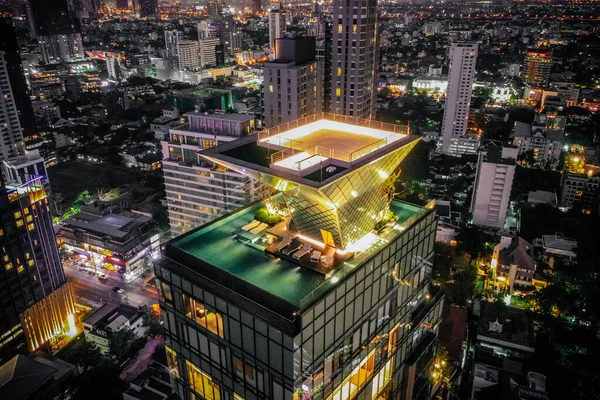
[[216, 245], [252, 153]]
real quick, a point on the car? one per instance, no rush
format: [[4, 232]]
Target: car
[[118, 289], [102, 276]]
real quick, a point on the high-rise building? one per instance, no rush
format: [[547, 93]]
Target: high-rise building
[[355, 58], [256, 7], [536, 69], [293, 82], [37, 304], [215, 8], [188, 53], [206, 31], [493, 182], [198, 191], [148, 8], [463, 57], [172, 38], [208, 53], [57, 30], [277, 20], [324, 55], [122, 4], [316, 305], [113, 67]]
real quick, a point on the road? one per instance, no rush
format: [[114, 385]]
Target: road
[[89, 289]]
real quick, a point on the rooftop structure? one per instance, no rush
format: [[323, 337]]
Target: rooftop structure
[[110, 318], [330, 169]]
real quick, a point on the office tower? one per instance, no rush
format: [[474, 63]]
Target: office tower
[[316, 305], [293, 82], [536, 69], [188, 53], [57, 30], [14, 91], [213, 191], [148, 8], [215, 8], [463, 57], [37, 303], [229, 34], [113, 67], [276, 23], [493, 182], [256, 7], [355, 58], [172, 38]]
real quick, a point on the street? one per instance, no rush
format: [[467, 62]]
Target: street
[[90, 289]]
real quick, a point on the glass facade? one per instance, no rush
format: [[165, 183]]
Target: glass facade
[[365, 338]]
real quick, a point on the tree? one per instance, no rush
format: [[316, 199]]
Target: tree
[[460, 289], [124, 343], [87, 354], [499, 310], [153, 321]]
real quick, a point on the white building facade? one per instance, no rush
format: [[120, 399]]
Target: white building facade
[[463, 57]]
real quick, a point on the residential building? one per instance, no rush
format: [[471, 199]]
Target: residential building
[[355, 58], [34, 377], [316, 304], [108, 236], [170, 120], [199, 191], [463, 58], [113, 67], [11, 72], [276, 22], [431, 84], [293, 82], [188, 54], [536, 197], [99, 326], [536, 67], [11, 135], [208, 51], [172, 38], [557, 246], [493, 183], [148, 8], [38, 307], [20, 169], [215, 8], [580, 181], [512, 264], [153, 384], [448, 223], [323, 52], [544, 139], [57, 30]]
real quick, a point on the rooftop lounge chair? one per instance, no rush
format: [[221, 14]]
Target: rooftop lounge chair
[[259, 228], [283, 243], [315, 256], [251, 225], [295, 245], [302, 252]]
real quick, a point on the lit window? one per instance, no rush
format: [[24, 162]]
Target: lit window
[[17, 214], [197, 312], [171, 149], [338, 92], [354, 28], [19, 223], [27, 255], [271, 88], [29, 218], [243, 370], [166, 292], [340, 28], [20, 269], [31, 227], [30, 263], [201, 383], [6, 258], [1, 232], [172, 361], [339, 71], [8, 266], [26, 210]]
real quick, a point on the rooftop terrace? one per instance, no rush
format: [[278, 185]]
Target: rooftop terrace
[[217, 252]]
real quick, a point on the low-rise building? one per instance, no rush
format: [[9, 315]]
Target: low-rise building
[[169, 120], [99, 327], [536, 197], [557, 246], [545, 138], [106, 235], [513, 264]]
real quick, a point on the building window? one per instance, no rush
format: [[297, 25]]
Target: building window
[[243, 370], [340, 28], [237, 397], [172, 361], [17, 214], [359, 376], [201, 383], [196, 311], [19, 223], [338, 91], [166, 292]]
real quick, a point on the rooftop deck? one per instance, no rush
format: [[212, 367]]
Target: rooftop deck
[[217, 247]]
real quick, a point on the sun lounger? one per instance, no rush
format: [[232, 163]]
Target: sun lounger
[[251, 225], [259, 228], [295, 245], [303, 251], [282, 244], [315, 256]]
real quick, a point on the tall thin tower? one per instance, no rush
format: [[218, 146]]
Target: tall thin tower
[[355, 58], [463, 57]]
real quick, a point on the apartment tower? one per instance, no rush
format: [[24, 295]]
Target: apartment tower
[[463, 58]]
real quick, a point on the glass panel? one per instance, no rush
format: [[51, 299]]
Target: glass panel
[[201, 383], [208, 319]]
